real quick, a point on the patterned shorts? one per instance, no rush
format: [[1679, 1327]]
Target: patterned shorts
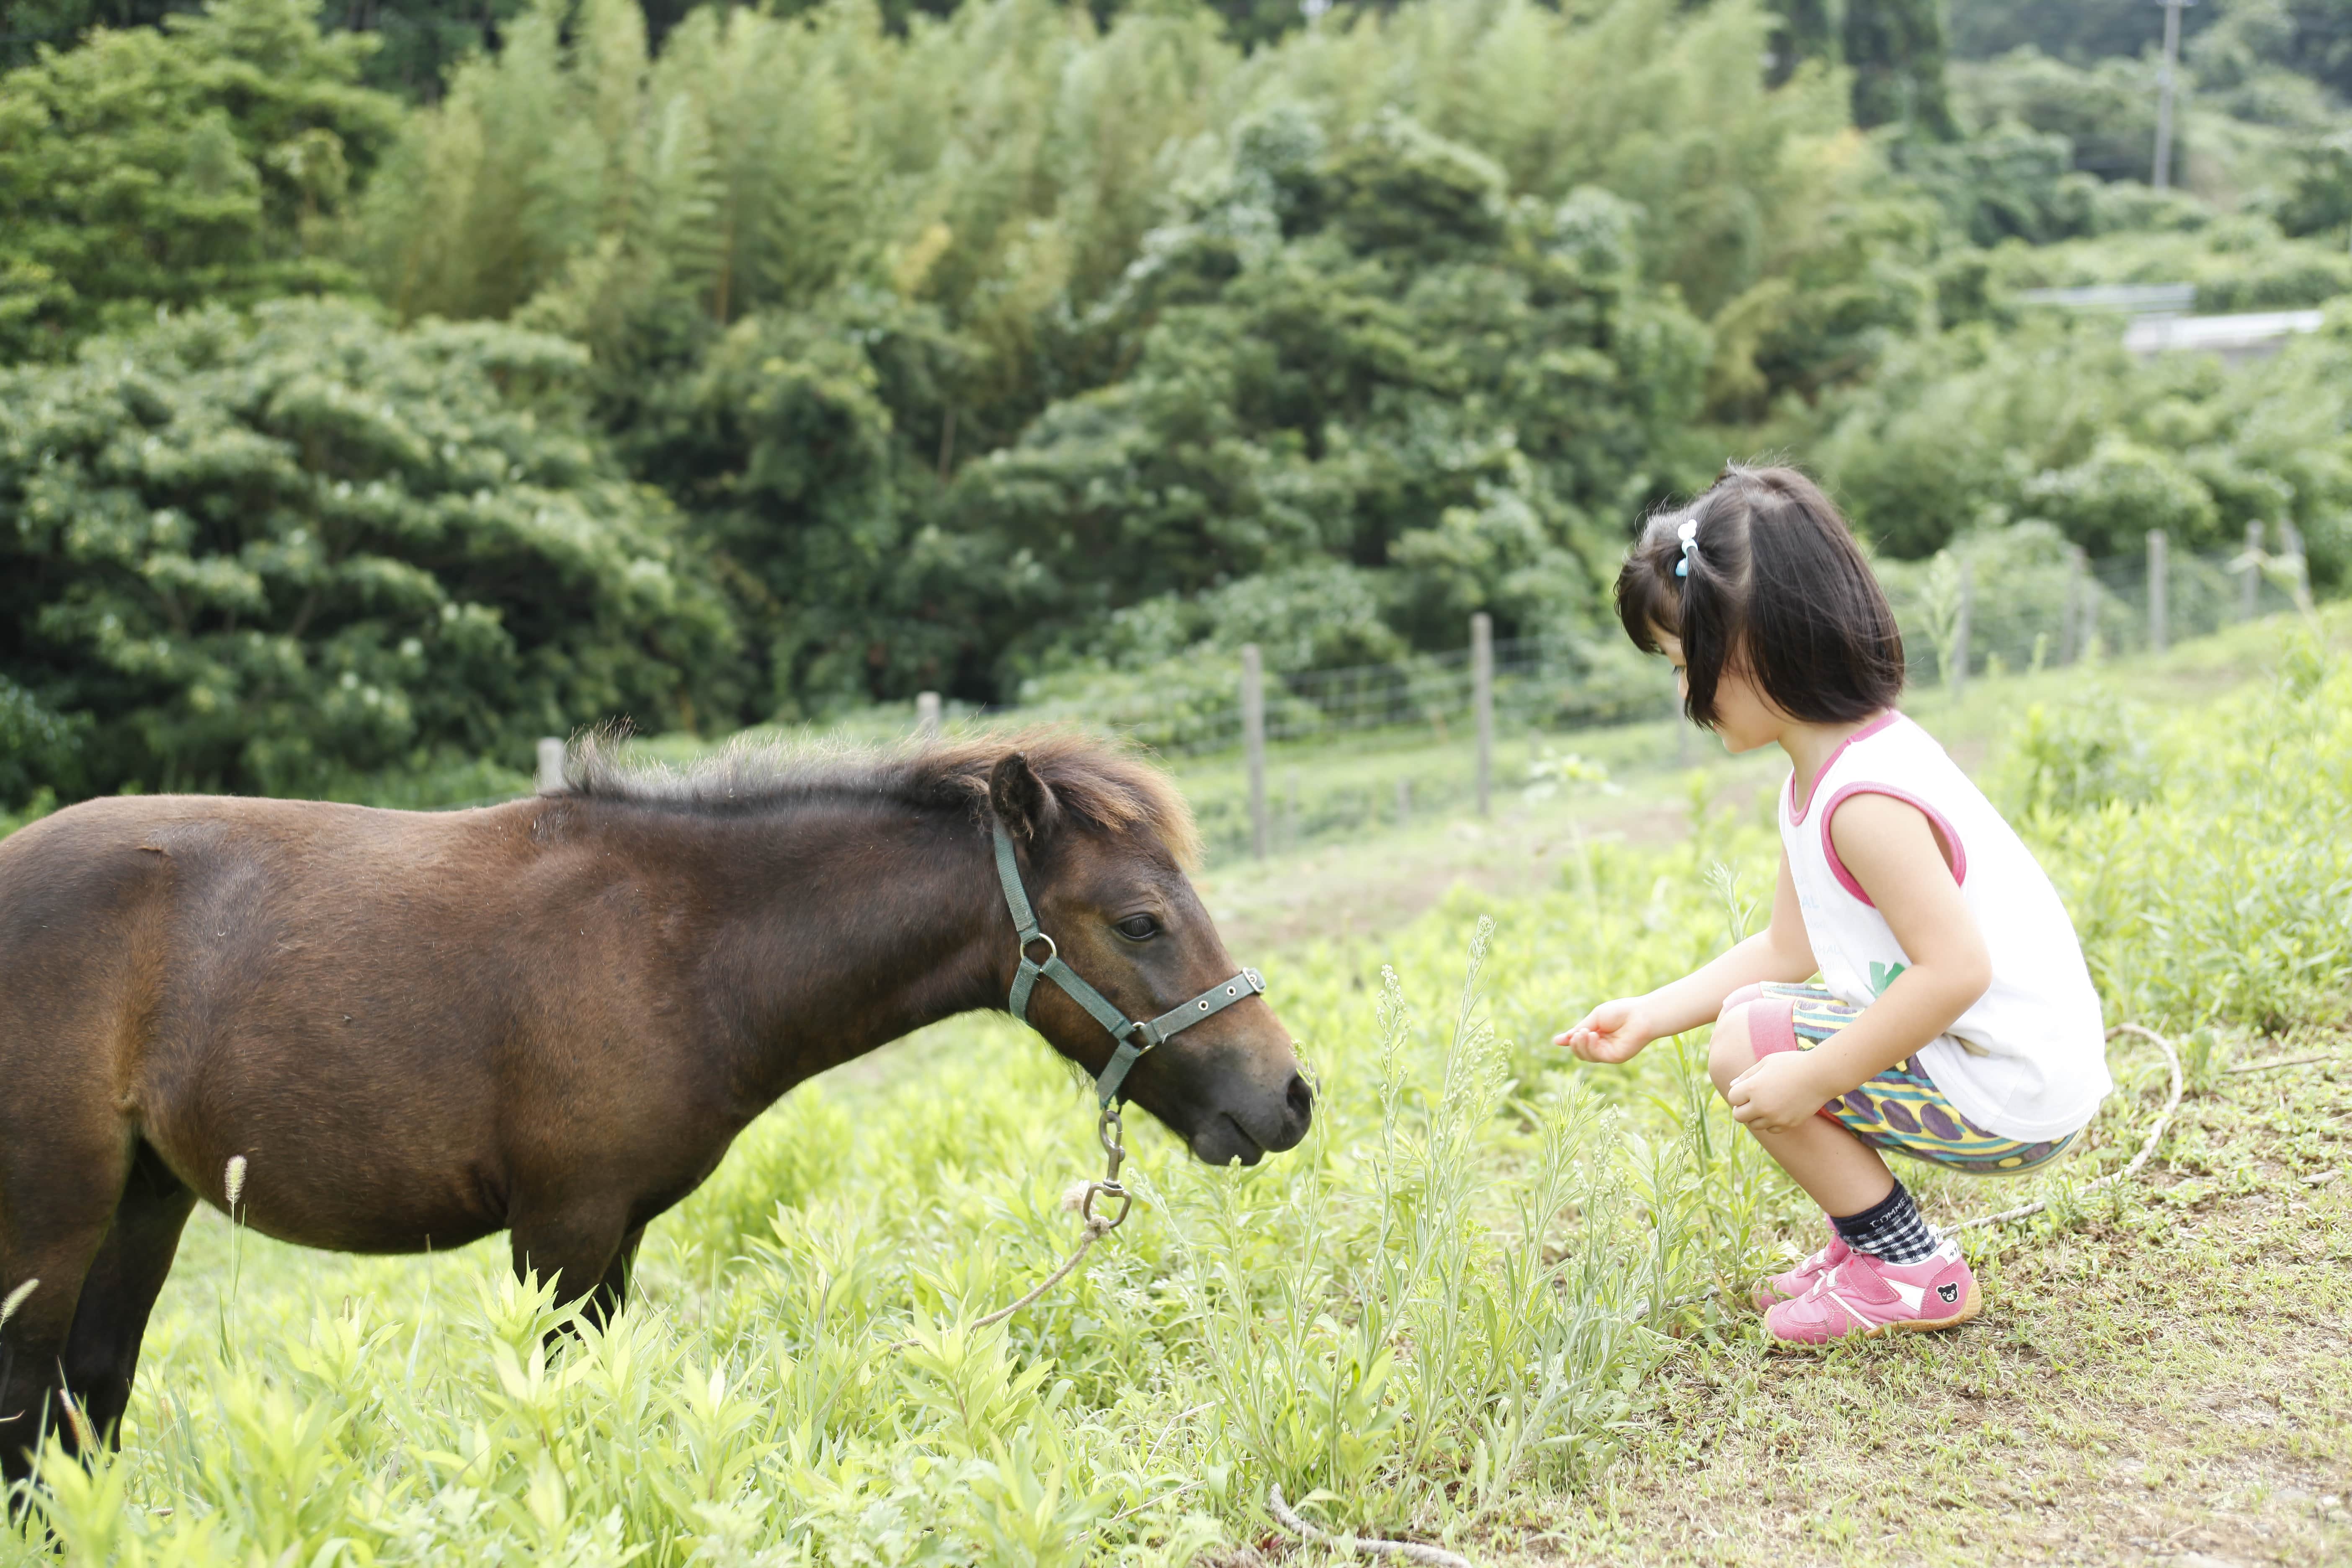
[[1901, 1111]]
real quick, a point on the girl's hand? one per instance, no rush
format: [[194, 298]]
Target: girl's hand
[[1777, 1094], [1612, 1032]]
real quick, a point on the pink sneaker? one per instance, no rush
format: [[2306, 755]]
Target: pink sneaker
[[1795, 1283], [1867, 1297]]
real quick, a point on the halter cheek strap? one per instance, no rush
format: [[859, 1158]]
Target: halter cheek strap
[[1132, 1036]]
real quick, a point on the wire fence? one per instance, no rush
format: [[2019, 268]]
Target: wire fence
[[1990, 608], [1548, 681], [1956, 615]]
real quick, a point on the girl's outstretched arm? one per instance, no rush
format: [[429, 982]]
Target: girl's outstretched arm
[[1615, 1031], [1892, 852]]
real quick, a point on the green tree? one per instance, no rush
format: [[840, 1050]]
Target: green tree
[[2107, 112], [211, 160], [275, 552], [1980, 428], [1896, 49], [829, 271], [1807, 30], [2078, 32], [1360, 362]]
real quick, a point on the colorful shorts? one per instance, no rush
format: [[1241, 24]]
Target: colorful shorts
[[1901, 1111]]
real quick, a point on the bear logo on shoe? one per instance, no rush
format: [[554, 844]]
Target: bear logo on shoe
[[1950, 1293]]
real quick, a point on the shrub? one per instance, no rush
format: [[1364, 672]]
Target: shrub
[[265, 552]]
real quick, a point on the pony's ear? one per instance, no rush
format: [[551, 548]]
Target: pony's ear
[[1022, 800]]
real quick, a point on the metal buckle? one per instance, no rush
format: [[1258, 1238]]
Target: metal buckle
[[1109, 1189], [1021, 945], [1108, 1132]]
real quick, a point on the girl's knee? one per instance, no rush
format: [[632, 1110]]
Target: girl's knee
[[1732, 1051]]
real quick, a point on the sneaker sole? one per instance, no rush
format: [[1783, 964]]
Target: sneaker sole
[[1970, 1305]]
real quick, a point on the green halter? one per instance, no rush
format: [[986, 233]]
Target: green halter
[[1134, 1036]]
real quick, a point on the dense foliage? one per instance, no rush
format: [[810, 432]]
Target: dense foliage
[[1978, 428], [1031, 345], [210, 162], [262, 552]]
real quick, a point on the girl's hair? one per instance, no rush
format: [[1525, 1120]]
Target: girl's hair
[[1776, 587]]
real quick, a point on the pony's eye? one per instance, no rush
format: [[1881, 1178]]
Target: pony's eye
[[1138, 928]]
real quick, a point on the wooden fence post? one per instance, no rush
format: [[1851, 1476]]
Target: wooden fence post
[[2074, 620], [1958, 676], [550, 779], [1254, 742], [2250, 591], [1482, 701], [927, 716], [2160, 578], [2292, 537]]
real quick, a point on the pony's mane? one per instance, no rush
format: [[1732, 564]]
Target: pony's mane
[[1097, 783]]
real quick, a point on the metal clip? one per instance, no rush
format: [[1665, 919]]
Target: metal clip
[[1109, 1189], [1108, 1133]]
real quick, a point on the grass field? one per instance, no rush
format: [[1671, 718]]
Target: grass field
[[1447, 1314]]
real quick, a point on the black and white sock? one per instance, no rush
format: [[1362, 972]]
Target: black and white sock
[[1891, 1229]]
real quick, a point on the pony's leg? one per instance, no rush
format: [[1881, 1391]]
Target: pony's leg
[[58, 1197], [102, 1350], [611, 1291], [572, 1244]]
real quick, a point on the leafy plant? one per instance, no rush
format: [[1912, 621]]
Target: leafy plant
[[211, 160], [279, 552]]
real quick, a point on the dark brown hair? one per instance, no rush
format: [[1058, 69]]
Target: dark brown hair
[[1777, 585], [1101, 784]]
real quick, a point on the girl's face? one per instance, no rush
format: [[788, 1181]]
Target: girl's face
[[1744, 717]]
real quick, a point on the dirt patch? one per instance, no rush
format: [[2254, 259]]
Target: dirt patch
[[1392, 878]]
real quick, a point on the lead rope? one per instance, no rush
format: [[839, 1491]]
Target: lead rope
[[1081, 1199], [1130, 1039]]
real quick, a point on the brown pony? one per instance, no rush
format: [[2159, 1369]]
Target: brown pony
[[548, 1017]]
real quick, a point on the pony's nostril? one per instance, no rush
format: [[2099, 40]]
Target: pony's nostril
[[1299, 1098]]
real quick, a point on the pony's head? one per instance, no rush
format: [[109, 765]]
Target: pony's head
[[1101, 841]]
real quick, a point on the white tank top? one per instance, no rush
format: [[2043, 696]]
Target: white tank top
[[2028, 1060]]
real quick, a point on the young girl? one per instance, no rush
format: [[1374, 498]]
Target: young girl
[[1954, 1021]]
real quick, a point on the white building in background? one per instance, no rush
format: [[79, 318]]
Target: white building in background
[[2161, 322], [2255, 335]]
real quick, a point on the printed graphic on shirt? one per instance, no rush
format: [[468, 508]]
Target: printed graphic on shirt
[[1882, 976]]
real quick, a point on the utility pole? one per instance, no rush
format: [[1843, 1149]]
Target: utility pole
[[1958, 676], [2162, 179]]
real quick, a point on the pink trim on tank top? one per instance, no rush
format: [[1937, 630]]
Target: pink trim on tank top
[[1955, 853], [1797, 812]]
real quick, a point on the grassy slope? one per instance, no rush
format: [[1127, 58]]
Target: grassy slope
[[941, 1155], [2165, 1377], [2170, 1374]]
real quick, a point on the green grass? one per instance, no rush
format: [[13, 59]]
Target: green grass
[[1441, 1316]]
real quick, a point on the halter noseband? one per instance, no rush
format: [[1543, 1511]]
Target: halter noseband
[[1134, 1036]]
